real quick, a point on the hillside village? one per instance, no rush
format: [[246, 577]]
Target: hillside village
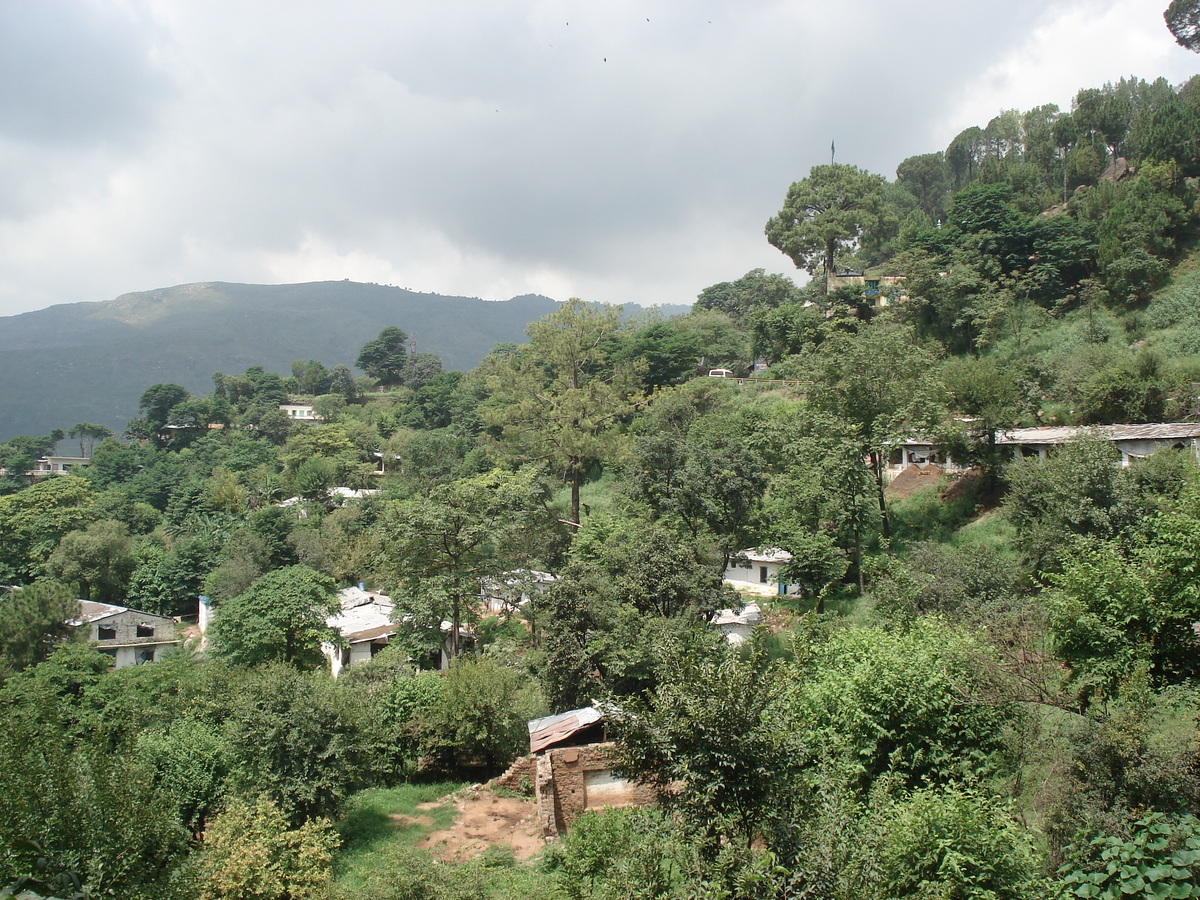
[[882, 585]]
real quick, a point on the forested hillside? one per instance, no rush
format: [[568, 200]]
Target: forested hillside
[[91, 361], [983, 688]]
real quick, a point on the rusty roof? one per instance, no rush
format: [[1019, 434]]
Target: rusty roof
[[549, 730]]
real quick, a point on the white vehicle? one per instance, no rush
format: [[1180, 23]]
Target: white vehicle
[[720, 373]]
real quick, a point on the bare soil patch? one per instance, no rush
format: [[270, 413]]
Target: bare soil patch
[[912, 479], [966, 483], [404, 821], [486, 820]]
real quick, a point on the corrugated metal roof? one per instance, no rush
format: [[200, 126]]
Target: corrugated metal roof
[[750, 614], [549, 730], [91, 610], [764, 554], [1166, 431], [362, 611], [368, 634]]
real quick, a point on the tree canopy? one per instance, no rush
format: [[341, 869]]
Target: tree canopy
[[835, 206], [385, 357], [280, 617]]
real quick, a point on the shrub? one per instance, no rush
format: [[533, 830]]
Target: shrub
[[1160, 859], [951, 843], [250, 854], [619, 853]]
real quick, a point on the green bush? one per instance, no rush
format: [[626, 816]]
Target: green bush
[[249, 853], [299, 738], [84, 813], [1161, 859], [404, 873], [480, 714], [191, 761], [619, 853], [949, 843], [886, 702]]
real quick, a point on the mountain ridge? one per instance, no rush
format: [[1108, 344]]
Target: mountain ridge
[[90, 361]]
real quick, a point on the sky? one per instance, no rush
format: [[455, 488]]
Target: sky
[[612, 150]]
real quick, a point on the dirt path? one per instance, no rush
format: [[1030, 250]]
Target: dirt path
[[485, 820]]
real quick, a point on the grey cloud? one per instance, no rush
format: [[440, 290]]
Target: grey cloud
[[72, 72], [223, 133]]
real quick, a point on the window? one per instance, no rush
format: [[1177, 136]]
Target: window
[[144, 657], [762, 574], [104, 633], [144, 630]]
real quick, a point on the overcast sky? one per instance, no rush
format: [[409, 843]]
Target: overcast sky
[[614, 151]]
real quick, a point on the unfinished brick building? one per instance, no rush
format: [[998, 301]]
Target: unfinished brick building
[[572, 771]]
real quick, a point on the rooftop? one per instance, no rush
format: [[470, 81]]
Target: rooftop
[[1062, 433]]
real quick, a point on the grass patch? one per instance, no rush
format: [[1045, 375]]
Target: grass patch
[[994, 530], [381, 818], [925, 516], [379, 858]]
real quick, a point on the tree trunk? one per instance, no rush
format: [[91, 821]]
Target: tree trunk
[[877, 466], [862, 581], [575, 475]]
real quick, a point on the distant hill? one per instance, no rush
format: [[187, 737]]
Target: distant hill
[[90, 362]]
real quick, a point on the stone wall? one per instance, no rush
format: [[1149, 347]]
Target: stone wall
[[571, 780]]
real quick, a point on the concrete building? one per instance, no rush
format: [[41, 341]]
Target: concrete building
[[299, 412], [1132, 441], [757, 571], [738, 625], [131, 637], [365, 626], [878, 288]]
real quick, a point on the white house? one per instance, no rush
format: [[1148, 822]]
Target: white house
[[365, 626], [339, 496], [58, 465], [52, 465], [299, 412], [737, 625], [916, 452], [1133, 441], [514, 589], [131, 637], [757, 571]]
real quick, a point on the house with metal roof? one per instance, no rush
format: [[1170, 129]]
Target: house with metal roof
[[573, 769], [1133, 441], [737, 625], [366, 625]]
